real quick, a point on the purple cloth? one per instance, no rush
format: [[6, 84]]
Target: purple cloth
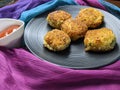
[[20, 70], [15, 10], [93, 3]]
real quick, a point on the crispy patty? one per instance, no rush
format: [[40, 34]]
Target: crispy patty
[[91, 16], [99, 40], [74, 28], [56, 40], [56, 18]]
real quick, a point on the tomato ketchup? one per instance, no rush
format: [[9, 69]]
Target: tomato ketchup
[[8, 30]]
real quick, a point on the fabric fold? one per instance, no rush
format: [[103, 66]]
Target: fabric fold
[[111, 8], [21, 70], [28, 15], [14, 10], [93, 3]]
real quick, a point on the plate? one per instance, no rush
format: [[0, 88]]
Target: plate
[[74, 56]]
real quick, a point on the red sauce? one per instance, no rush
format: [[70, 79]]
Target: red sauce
[[8, 30]]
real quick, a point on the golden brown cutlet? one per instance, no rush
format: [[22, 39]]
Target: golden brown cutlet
[[56, 18], [74, 28], [56, 40], [99, 40], [91, 16]]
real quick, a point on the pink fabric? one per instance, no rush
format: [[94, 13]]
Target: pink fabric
[[20, 70], [93, 3]]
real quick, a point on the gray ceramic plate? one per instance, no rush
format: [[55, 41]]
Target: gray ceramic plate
[[74, 56]]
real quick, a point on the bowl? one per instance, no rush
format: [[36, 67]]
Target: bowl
[[14, 38]]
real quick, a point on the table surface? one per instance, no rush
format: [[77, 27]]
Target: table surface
[[115, 2]]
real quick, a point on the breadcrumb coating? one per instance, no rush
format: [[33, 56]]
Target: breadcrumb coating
[[91, 16], [56, 40], [74, 28], [99, 40], [56, 18]]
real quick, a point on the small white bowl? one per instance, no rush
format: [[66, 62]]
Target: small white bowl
[[13, 39]]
